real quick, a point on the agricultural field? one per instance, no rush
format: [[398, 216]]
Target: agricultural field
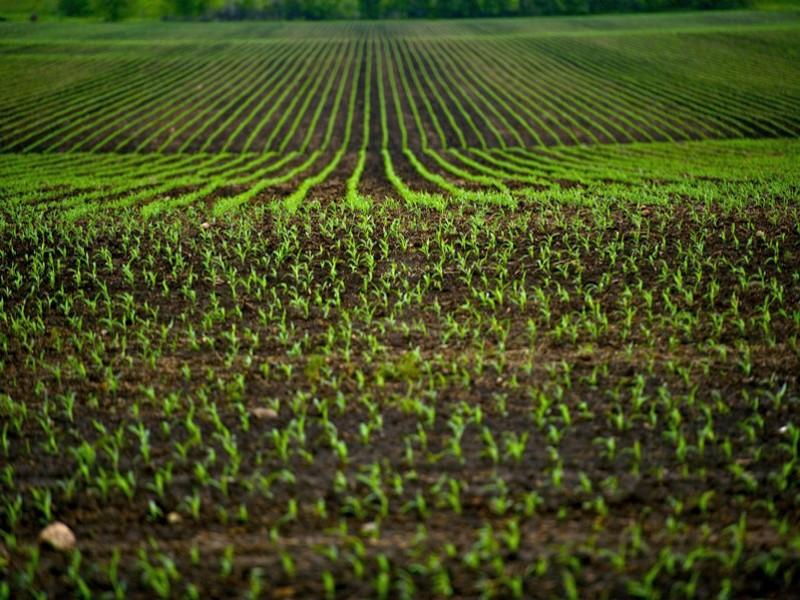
[[475, 309]]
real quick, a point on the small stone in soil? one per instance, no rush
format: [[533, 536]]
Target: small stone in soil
[[58, 536], [261, 412]]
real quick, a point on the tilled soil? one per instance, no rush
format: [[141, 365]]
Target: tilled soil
[[543, 401]]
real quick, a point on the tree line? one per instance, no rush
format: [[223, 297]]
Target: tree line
[[379, 9]]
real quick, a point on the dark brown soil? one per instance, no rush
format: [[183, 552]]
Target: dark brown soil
[[567, 540]]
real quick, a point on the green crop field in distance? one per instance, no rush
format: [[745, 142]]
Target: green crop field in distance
[[407, 309]]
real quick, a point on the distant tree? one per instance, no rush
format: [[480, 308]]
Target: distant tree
[[369, 9], [314, 10], [292, 9], [328, 9], [418, 8], [444, 8], [183, 8], [494, 8], [73, 8], [564, 7], [472, 8], [576, 7], [272, 9], [394, 9], [111, 10]]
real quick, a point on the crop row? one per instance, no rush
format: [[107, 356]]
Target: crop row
[[79, 184], [487, 91]]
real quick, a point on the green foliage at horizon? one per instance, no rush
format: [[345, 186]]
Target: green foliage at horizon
[[358, 9]]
